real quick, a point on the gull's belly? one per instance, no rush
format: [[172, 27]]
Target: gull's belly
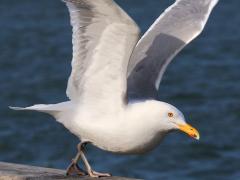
[[122, 140], [128, 144]]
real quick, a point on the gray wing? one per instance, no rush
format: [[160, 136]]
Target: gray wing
[[172, 31], [103, 39]]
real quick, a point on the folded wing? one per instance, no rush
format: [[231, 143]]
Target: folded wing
[[172, 31], [103, 39]]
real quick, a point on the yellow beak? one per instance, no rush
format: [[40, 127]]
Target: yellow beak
[[191, 131]]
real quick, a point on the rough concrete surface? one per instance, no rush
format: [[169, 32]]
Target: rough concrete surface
[[9, 171]]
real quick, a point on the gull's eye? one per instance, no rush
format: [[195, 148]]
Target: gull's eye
[[170, 114]]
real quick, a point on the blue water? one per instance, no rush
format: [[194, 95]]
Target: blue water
[[203, 81]]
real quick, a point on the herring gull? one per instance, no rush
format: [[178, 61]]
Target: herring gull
[[111, 66]]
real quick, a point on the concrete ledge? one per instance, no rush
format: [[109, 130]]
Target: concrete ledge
[[9, 171]]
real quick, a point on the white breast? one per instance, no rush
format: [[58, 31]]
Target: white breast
[[118, 134]]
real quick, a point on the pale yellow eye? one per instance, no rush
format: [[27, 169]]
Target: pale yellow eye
[[170, 114]]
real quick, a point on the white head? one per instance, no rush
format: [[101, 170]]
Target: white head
[[165, 117]]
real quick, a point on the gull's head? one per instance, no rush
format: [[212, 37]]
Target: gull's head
[[168, 118]]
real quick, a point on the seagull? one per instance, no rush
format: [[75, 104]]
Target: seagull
[[116, 74]]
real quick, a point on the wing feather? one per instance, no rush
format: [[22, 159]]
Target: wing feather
[[171, 32], [103, 39]]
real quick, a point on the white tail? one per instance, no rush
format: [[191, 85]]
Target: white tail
[[51, 109]]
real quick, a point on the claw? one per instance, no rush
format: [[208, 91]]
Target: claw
[[92, 173], [74, 169]]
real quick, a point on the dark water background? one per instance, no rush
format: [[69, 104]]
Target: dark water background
[[203, 81]]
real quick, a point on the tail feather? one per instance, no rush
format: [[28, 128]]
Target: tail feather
[[38, 107], [17, 108], [52, 109]]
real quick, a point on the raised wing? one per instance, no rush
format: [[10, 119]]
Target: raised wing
[[173, 30], [103, 40]]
